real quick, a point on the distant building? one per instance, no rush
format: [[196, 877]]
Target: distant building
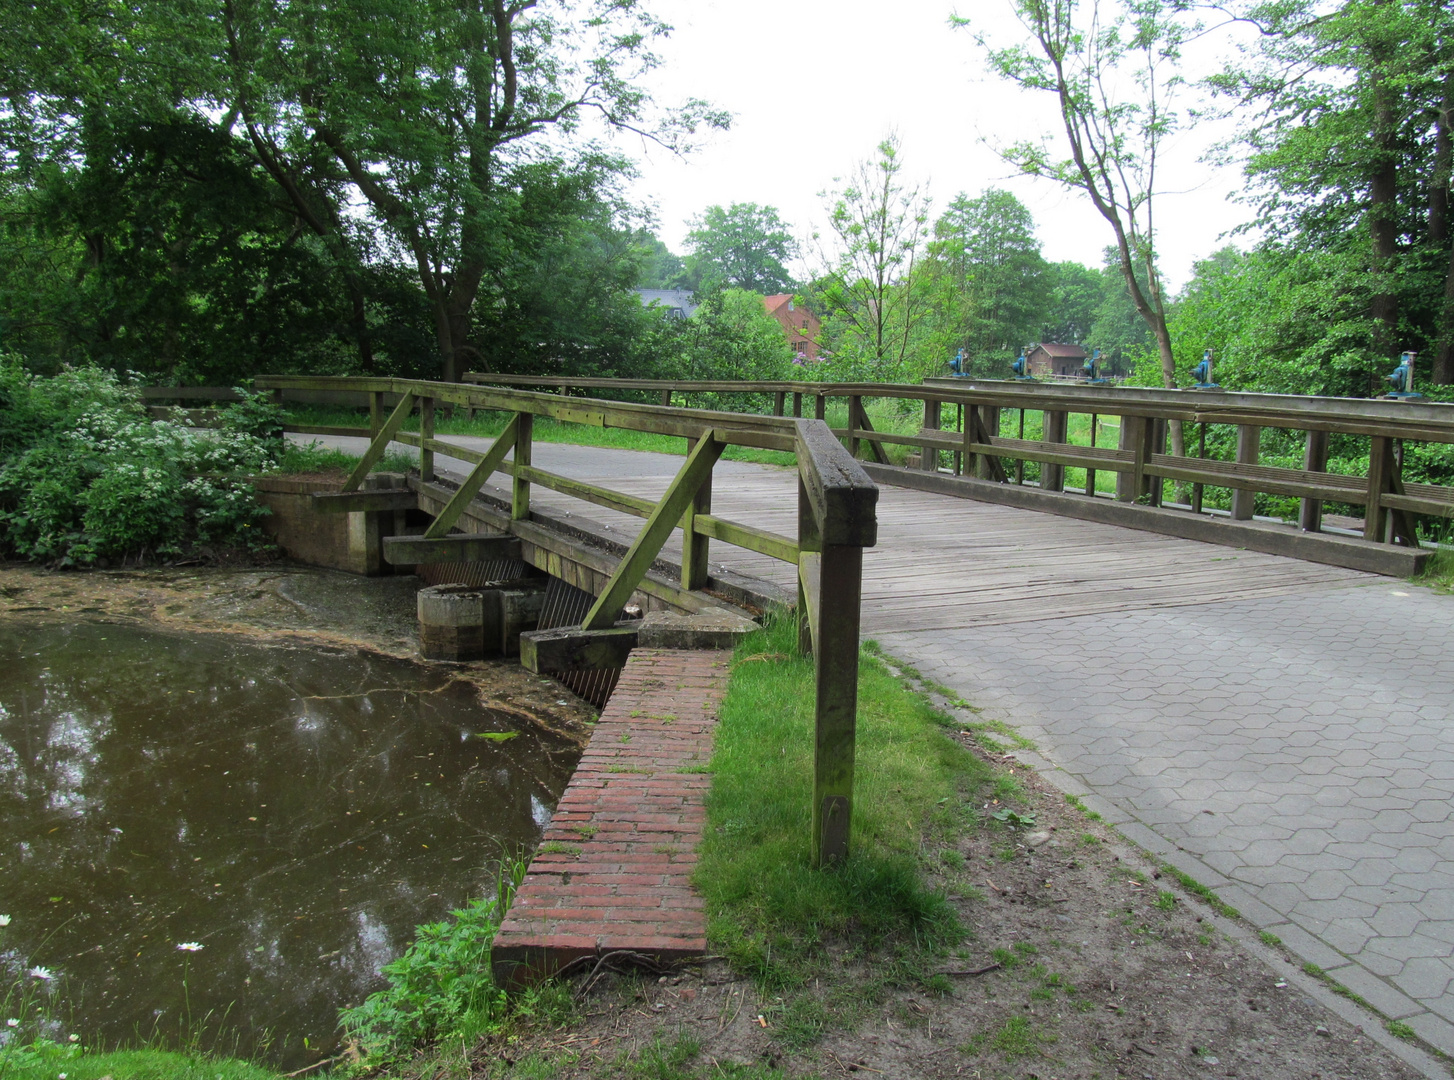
[[1052, 358], [800, 325], [677, 303]]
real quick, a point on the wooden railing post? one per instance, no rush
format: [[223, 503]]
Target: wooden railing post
[[1136, 435], [1052, 477], [855, 406], [820, 405], [929, 455], [837, 515], [376, 412], [1380, 472], [426, 433], [1249, 446], [1315, 459], [695, 544], [520, 490], [778, 400], [797, 403]]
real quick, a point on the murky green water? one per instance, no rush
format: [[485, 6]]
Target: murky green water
[[296, 812]]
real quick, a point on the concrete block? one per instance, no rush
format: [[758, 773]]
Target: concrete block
[[670, 630], [451, 622]]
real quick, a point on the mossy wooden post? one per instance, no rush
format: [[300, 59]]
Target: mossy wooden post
[[797, 403], [520, 492], [1052, 477], [376, 412], [820, 406], [466, 492], [1380, 474], [1315, 459], [426, 433], [837, 514], [1249, 441], [1134, 484], [929, 455], [855, 409], [779, 398], [695, 545], [810, 549], [382, 436]]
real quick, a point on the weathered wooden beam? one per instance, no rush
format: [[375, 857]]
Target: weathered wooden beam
[[1249, 446], [476, 480], [844, 500], [696, 543], [467, 547], [372, 501], [638, 559], [383, 435], [1315, 459], [569, 648], [520, 488]]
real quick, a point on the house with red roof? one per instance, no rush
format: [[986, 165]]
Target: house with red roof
[[800, 325]]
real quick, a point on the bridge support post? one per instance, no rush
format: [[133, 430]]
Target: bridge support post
[[1315, 459], [797, 403], [1052, 477], [1249, 440], [1380, 474], [426, 433], [778, 401], [695, 545], [855, 411], [520, 490], [929, 455]]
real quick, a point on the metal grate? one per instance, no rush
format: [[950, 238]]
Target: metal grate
[[566, 605], [470, 573]]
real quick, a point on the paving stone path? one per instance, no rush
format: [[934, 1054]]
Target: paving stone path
[[1283, 733]]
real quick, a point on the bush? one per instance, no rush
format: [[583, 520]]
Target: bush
[[86, 474], [441, 988]]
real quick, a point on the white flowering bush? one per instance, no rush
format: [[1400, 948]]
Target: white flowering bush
[[86, 474]]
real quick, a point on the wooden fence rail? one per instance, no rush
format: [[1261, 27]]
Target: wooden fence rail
[[972, 445], [836, 521]]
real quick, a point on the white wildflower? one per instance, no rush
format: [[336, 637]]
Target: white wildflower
[[4, 920], [190, 946], [44, 974]]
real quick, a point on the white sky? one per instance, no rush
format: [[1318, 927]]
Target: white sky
[[815, 85]]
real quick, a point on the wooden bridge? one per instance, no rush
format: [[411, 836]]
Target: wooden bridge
[[1230, 708]]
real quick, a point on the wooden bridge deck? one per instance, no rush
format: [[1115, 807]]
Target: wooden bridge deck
[[945, 563]]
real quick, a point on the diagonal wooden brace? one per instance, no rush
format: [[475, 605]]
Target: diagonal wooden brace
[[695, 472], [381, 441], [493, 459]]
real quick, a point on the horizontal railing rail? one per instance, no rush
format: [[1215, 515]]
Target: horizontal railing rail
[[977, 449]]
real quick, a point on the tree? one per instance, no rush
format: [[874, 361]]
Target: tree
[[438, 112], [993, 277], [742, 247], [1074, 293], [867, 287], [1111, 66], [660, 267], [1349, 126]]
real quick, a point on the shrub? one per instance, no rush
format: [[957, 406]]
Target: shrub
[[86, 474]]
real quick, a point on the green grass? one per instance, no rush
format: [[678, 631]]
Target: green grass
[[138, 1065], [769, 911], [1439, 573]]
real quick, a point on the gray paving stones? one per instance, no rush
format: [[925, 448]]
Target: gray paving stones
[[1315, 727]]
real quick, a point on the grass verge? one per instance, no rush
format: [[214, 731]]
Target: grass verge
[[773, 915], [135, 1065]]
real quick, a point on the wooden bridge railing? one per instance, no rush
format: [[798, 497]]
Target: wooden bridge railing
[[968, 431], [836, 521]]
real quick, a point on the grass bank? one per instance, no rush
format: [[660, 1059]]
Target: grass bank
[[134, 1065], [773, 915]]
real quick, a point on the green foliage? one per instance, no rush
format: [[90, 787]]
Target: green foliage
[[742, 247], [87, 475], [46, 1060], [441, 988]]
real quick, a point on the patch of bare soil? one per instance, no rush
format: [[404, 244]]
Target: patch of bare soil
[[282, 604], [1082, 962]]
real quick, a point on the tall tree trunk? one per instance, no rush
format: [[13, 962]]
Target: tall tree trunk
[[1382, 203], [1443, 374]]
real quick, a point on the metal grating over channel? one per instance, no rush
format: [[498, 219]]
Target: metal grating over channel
[[471, 573], [566, 605]]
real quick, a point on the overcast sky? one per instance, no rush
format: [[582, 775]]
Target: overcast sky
[[815, 85]]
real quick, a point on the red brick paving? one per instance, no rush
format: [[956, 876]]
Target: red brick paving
[[614, 867]]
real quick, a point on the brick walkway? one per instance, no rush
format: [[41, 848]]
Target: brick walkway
[[614, 868]]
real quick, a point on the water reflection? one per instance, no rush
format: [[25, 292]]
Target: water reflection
[[295, 811]]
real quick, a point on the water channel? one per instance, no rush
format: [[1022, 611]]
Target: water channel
[[293, 810]]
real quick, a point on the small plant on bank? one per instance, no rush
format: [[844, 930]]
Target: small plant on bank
[[441, 988]]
